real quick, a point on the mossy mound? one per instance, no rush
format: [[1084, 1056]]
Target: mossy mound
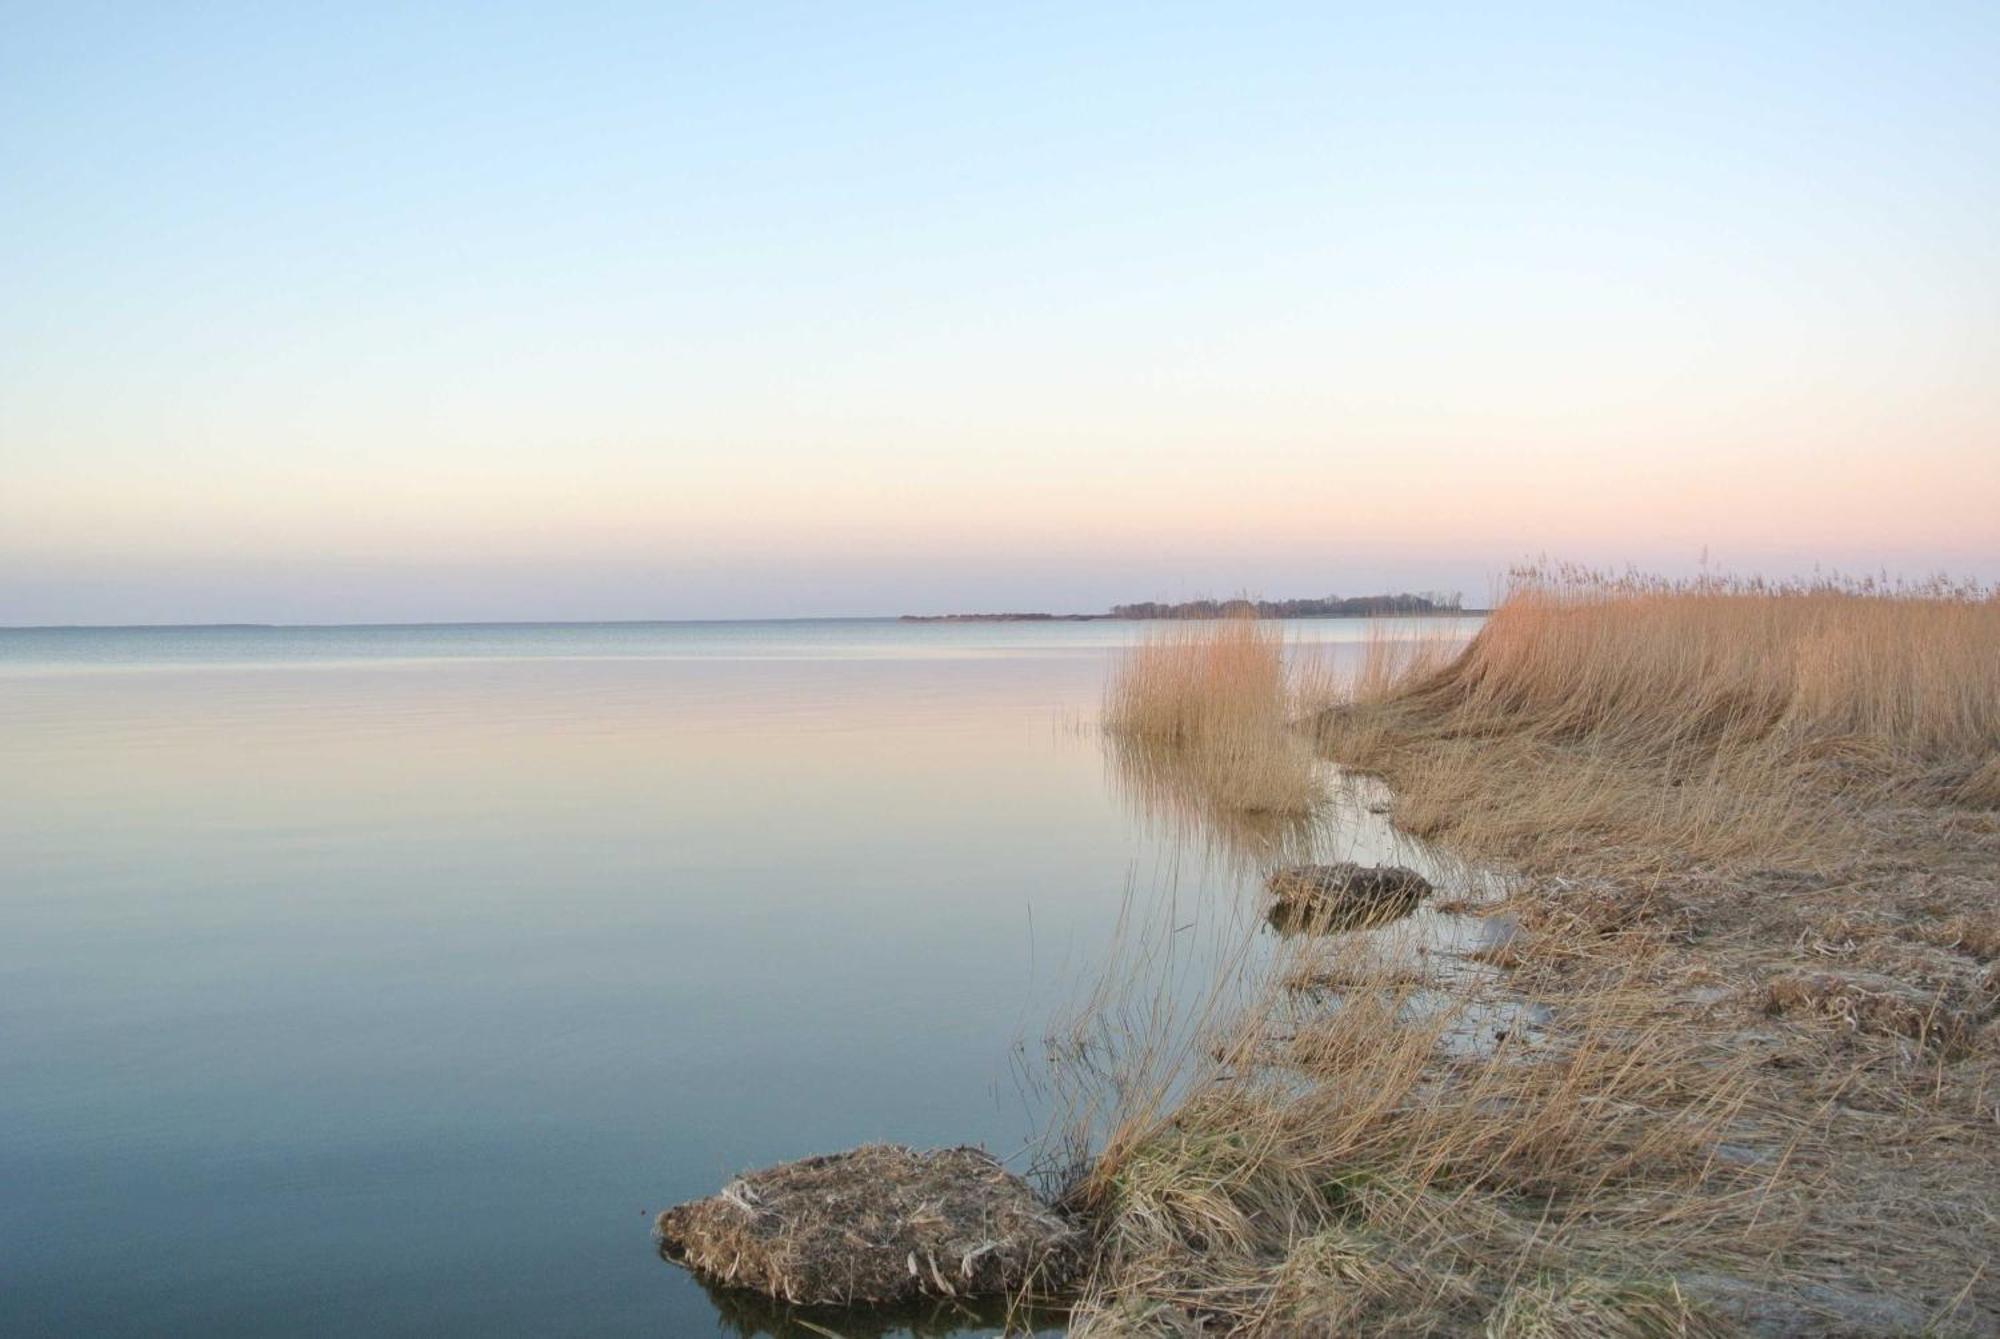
[[1322, 899], [878, 1225]]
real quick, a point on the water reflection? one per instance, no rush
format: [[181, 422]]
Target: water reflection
[[1292, 916], [402, 989], [752, 1315], [406, 972], [1189, 798], [1437, 956]]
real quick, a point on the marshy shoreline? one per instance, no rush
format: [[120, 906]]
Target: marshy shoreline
[[1750, 844], [1754, 860]]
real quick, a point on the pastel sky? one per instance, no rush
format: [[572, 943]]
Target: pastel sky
[[350, 313]]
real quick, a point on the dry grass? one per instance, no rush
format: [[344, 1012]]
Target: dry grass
[[1975, 934], [1705, 789], [1881, 1005], [1357, 1172], [1208, 705], [1597, 1309], [880, 1224], [1247, 816], [1189, 682], [1697, 721], [1980, 788]]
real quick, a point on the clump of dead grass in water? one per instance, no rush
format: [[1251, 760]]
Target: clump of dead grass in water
[[1205, 709], [877, 1225]]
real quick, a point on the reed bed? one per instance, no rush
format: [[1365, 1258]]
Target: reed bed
[[1193, 681], [1708, 719]]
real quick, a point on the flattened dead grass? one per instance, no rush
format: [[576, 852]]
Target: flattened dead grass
[[1875, 1004], [1599, 1309]]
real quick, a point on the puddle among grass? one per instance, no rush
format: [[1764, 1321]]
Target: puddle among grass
[[1448, 953], [1445, 955]]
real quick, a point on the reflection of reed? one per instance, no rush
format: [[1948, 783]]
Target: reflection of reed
[[1193, 793], [1198, 723]]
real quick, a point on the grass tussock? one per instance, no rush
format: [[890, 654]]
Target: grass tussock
[[1980, 788], [1882, 1006], [1204, 714], [1192, 682], [878, 1225]]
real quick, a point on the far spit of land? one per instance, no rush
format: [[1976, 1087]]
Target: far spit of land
[[1329, 606]]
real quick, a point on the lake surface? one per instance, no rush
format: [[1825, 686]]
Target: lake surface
[[388, 980]]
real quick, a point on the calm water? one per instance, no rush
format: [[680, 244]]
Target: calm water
[[387, 980]]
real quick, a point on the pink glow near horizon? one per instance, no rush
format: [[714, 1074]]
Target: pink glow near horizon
[[1103, 309]]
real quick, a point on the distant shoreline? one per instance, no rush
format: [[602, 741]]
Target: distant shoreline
[[1401, 605], [1121, 614], [1149, 618], [1001, 618]]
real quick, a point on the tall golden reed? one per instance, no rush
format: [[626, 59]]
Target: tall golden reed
[[1715, 718], [1209, 701]]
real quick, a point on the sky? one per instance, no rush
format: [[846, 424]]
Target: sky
[[346, 313]]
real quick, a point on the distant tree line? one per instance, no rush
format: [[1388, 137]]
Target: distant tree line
[[1330, 606]]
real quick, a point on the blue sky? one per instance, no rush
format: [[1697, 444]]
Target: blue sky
[[348, 313]]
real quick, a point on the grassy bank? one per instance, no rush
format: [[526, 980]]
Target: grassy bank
[[1756, 900], [1708, 720]]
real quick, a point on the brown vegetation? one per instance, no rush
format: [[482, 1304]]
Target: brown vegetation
[[1322, 899], [1708, 720], [882, 1224], [1737, 1072], [1211, 701]]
